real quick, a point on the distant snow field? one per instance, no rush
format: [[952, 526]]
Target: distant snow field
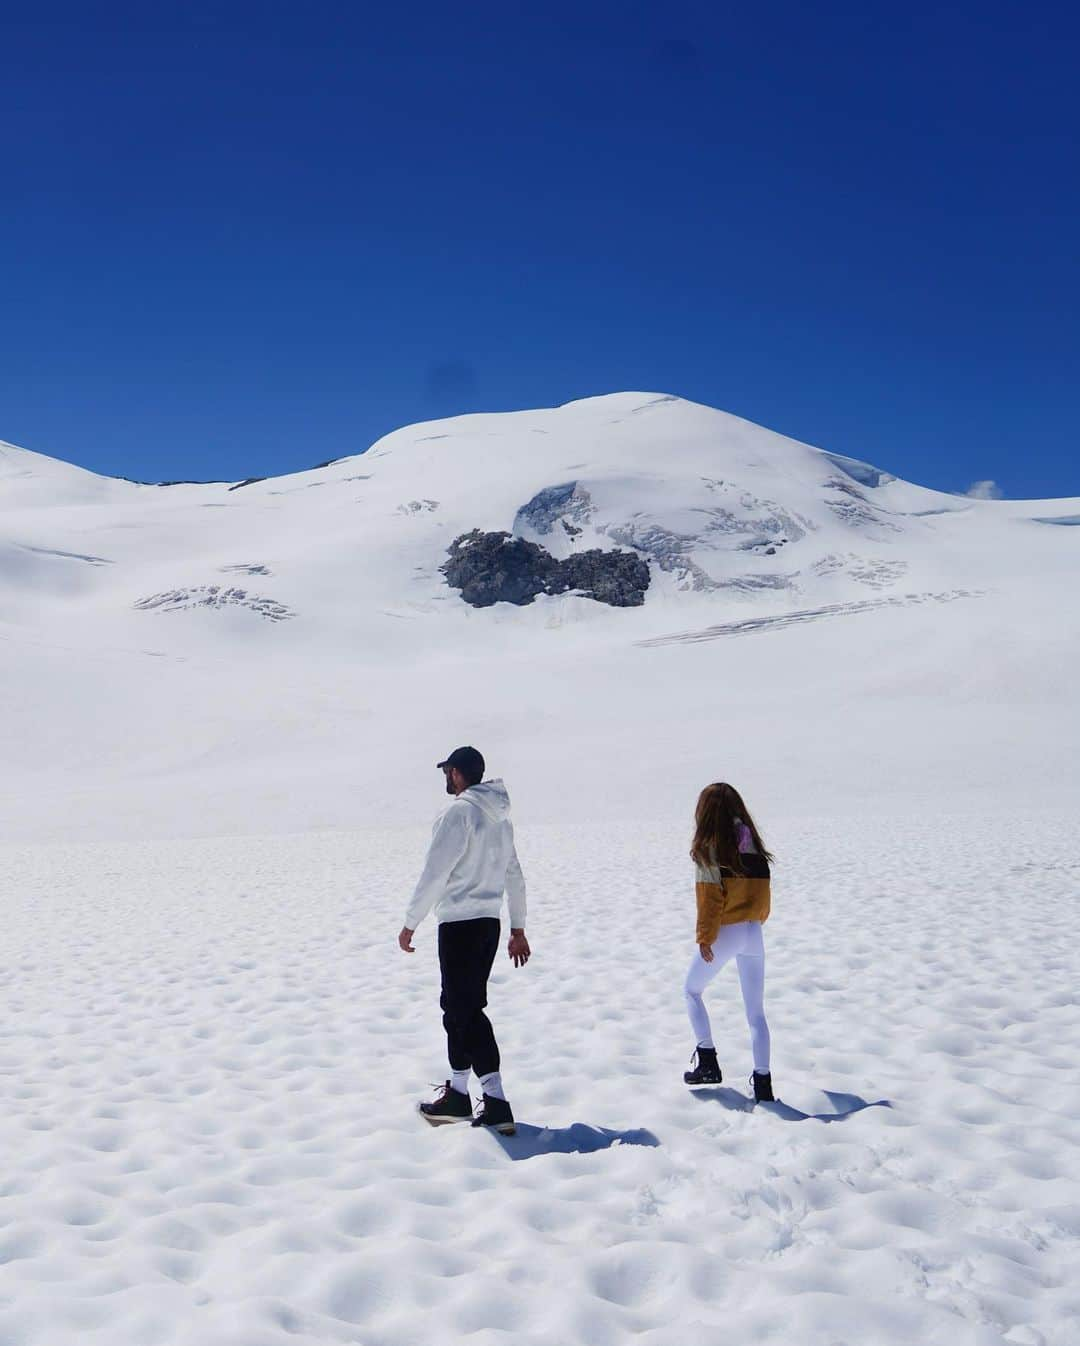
[[221, 710]]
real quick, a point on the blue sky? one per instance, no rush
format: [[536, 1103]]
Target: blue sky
[[240, 238]]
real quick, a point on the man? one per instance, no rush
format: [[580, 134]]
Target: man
[[470, 864]]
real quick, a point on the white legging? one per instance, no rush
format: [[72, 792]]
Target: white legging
[[744, 943]]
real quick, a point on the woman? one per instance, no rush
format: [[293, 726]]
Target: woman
[[733, 901]]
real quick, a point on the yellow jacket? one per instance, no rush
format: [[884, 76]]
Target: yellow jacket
[[725, 898]]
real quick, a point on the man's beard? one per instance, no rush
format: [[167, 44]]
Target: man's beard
[[449, 786]]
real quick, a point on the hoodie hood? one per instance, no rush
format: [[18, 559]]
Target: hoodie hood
[[491, 797]]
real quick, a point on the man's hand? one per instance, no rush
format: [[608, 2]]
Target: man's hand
[[706, 952], [518, 948], [405, 940]]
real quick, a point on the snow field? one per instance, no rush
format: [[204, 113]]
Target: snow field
[[211, 1052]]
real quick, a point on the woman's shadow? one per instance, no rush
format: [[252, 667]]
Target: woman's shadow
[[841, 1106]]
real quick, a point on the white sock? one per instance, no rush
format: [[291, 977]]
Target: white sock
[[492, 1085], [459, 1080]]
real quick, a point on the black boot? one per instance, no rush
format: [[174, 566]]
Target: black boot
[[707, 1070], [762, 1088], [495, 1113], [450, 1106]]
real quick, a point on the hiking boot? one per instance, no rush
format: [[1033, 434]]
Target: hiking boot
[[496, 1115], [707, 1070], [450, 1106], [762, 1088]]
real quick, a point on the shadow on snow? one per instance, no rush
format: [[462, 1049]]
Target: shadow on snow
[[579, 1138], [842, 1105]]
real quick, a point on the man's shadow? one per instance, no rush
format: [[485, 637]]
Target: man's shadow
[[841, 1106], [580, 1138]]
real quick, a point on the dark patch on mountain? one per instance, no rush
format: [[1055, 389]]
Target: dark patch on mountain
[[618, 578], [493, 568], [135, 482]]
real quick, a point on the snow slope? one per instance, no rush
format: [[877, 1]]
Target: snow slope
[[285, 653]]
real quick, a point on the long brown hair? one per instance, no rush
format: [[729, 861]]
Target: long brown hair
[[716, 841]]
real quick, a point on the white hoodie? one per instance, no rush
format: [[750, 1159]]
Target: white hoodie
[[471, 861]]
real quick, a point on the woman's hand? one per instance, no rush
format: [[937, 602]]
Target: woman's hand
[[706, 952]]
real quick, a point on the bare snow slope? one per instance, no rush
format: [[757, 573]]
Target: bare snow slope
[[286, 653]]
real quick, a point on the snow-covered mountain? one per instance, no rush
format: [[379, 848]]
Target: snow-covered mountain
[[212, 1048], [288, 652]]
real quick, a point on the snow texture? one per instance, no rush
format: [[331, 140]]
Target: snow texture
[[212, 1050]]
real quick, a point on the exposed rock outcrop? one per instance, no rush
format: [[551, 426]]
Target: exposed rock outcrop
[[569, 504], [214, 596], [497, 568], [618, 578]]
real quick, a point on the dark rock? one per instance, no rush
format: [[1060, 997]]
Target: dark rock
[[618, 578], [498, 568]]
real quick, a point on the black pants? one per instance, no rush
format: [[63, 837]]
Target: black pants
[[466, 952]]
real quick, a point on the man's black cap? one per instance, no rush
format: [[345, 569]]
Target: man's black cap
[[468, 761]]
